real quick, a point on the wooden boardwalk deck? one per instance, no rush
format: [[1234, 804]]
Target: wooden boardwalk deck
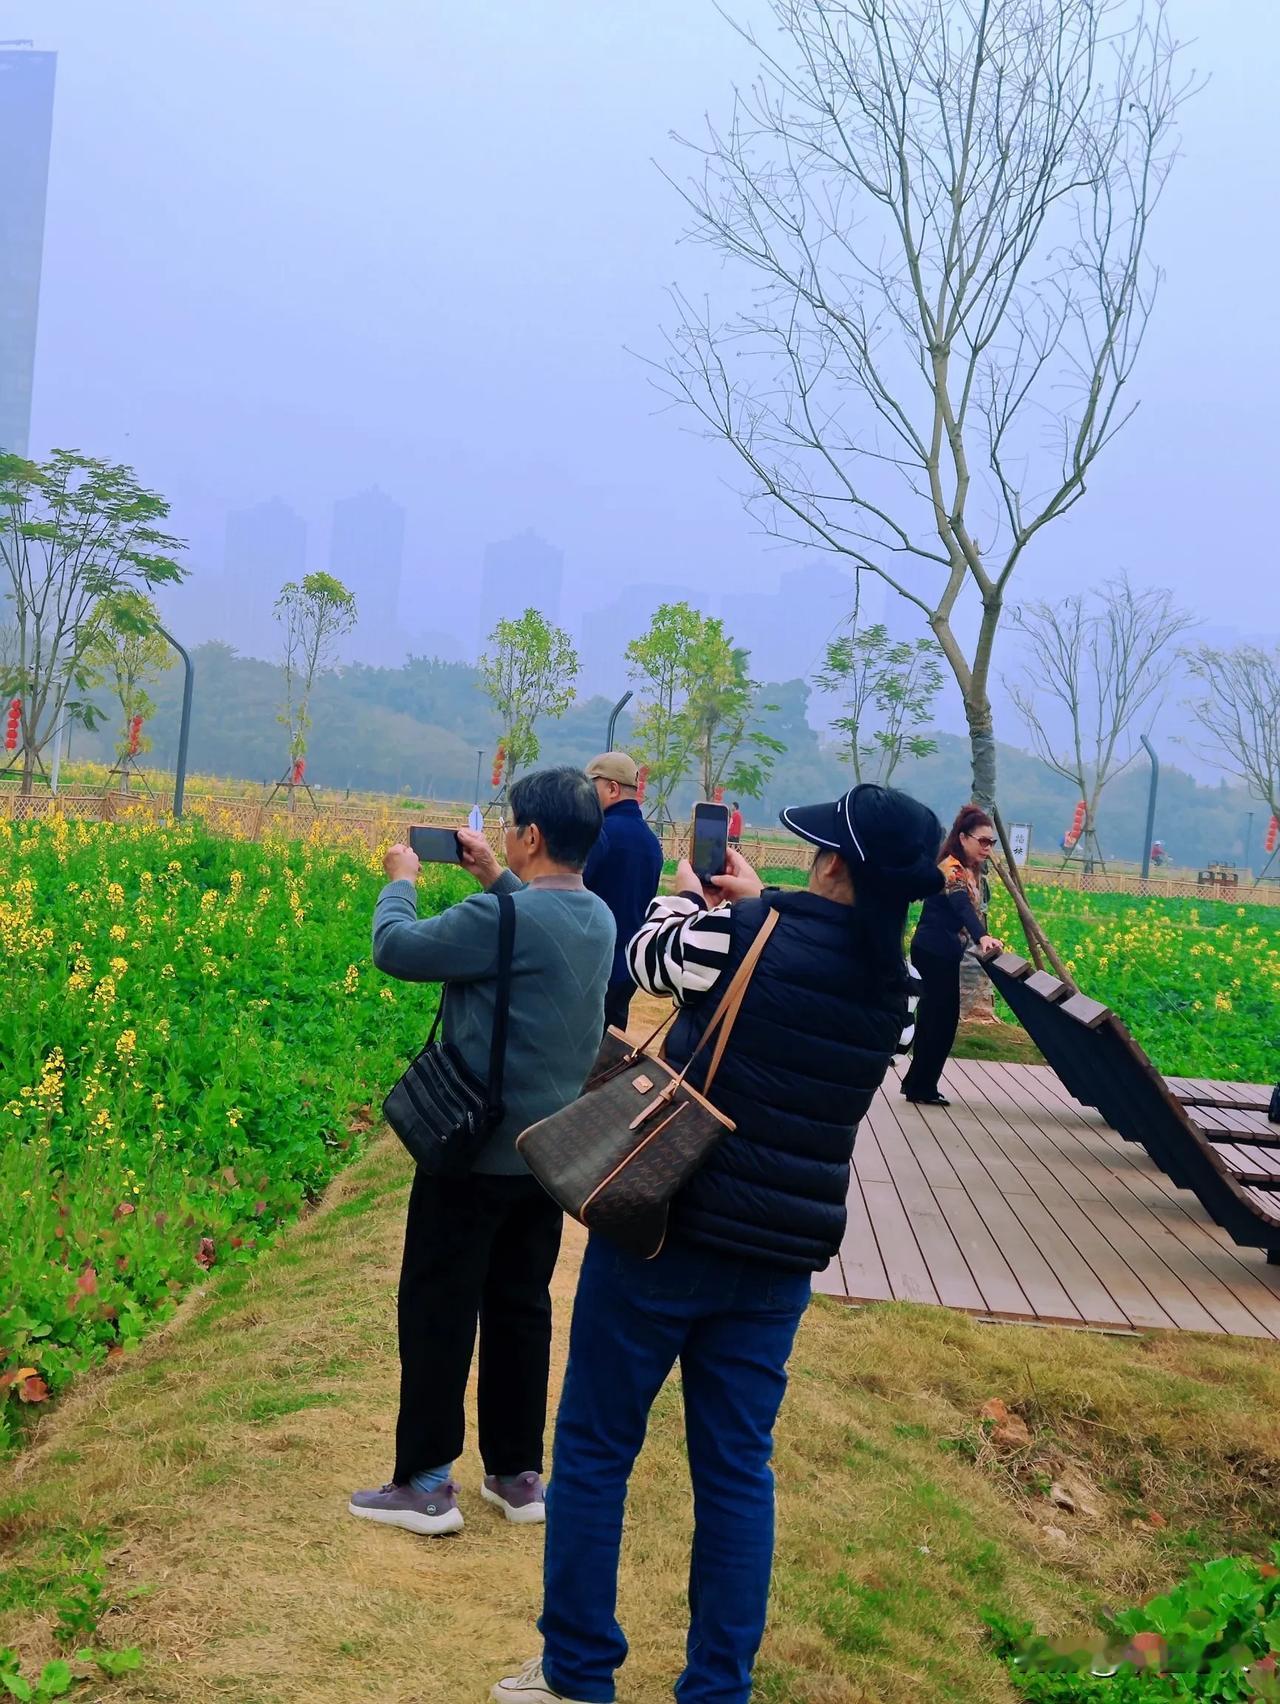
[[1017, 1203]]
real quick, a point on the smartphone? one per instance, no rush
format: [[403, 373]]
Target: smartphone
[[710, 851], [435, 845]]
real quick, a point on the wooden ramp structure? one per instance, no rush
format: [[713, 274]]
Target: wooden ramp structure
[[1020, 1203]]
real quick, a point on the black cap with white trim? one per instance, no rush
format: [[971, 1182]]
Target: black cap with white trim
[[885, 836]]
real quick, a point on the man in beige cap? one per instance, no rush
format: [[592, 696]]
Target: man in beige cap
[[624, 868]]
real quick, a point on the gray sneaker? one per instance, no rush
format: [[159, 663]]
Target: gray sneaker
[[431, 1512], [521, 1498], [528, 1687]]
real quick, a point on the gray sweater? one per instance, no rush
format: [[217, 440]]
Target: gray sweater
[[559, 972]]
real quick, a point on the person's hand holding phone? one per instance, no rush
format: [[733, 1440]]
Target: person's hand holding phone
[[739, 880], [478, 857], [401, 864]]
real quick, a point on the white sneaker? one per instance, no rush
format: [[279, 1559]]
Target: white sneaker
[[529, 1687]]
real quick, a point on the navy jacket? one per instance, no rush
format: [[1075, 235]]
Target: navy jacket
[[624, 868], [812, 1043]]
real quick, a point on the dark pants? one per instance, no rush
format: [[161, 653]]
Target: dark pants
[[617, 1004], [730, 1323], [476, 1249], [937, 1018]]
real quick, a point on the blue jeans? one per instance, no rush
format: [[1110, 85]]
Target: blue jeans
[[731, 1324]]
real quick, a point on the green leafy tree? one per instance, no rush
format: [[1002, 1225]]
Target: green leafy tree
[[888, 687], [75, 533], [314, 613], [720, 715], [659, 662], [129, 651], [528, 672]]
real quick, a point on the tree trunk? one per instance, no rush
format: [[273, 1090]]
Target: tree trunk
[[28, 768], [982, 750]]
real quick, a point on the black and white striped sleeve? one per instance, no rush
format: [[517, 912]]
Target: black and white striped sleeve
[[913, 1000], [681, 948]]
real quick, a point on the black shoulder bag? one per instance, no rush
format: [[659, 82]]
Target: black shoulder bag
[[440, 1109]]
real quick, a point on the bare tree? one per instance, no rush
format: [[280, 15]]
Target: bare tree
[[940, 211], [1239, 714], [1093, 669]]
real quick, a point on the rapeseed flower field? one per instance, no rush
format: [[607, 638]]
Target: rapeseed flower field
[[189, 1028]]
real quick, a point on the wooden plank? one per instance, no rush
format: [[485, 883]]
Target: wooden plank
[[904, 1265], [1047, 986], [865, 1278], [868, 1161], [1136, 1302], [830, 1281], [1227, 1280], [1001, 1291], [947, 1265], [1012, 965], [1085, 1011]]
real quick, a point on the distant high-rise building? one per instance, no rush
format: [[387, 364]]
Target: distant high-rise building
[[266, 547], [607, 632], [786, 631], [26, 130], [520, 573], [366, 552]]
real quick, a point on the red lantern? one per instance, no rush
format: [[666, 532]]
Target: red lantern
[[719, 795], [12, 723], [642, 777], [1077, 825], [1273, 837], [135, 736], [499, 764], [299, 769]]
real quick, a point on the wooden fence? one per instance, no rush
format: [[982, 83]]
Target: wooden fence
[[256, 819]]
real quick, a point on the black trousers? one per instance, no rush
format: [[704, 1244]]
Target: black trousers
[[617, 1004], [477, 1250], [937, 1018]]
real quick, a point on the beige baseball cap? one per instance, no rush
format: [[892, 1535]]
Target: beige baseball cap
[[614, 766]]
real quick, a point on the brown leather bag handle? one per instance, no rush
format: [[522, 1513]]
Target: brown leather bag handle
[[726, 1013]]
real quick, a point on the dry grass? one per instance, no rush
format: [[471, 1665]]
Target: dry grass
[[216, 1465]]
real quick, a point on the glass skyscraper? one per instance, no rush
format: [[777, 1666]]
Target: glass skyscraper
[[26, 128]]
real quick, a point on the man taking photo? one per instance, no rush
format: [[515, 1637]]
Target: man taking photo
[[624, 868]]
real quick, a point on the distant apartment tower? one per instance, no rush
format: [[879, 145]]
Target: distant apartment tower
[[366, 552], [787, 631], [26, 130], [607, 632], [266, 546], [520, 573]]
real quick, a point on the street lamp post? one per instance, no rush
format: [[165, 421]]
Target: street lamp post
[[1248, 844], [617, 710], [184, 727], [1151, 806]]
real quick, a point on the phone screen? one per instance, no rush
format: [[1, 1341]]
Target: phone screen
[[435, 845], [710, 839]]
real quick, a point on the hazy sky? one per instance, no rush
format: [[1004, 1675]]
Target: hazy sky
[[296, 246]]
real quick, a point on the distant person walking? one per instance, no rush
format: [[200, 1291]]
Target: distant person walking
[[481, 1248], [735, 826], [948, 922], [624, 868]]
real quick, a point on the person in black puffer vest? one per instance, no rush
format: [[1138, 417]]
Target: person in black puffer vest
[[821, 1019]]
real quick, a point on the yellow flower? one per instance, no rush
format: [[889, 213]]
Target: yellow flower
[[117, 931], [351, 981], [126, 1044], [119, 966], [234, 1115]]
